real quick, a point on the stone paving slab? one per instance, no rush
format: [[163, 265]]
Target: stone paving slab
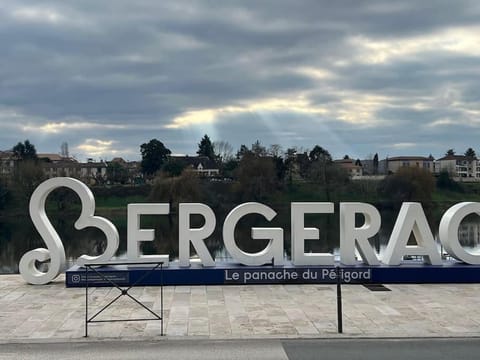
[[54, 312]]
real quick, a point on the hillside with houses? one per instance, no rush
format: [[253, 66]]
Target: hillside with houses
[[465, 168], [103, 172]]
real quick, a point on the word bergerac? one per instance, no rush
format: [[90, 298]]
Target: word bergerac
[[411, 218]]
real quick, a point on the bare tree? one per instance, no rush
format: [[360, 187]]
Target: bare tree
[[275, 150], [223, 150], [64, 150]]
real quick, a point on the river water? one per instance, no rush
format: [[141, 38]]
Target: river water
[[18, 235]]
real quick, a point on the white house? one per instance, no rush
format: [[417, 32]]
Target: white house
[[459, 166]]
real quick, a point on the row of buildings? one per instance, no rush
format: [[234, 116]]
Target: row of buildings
[[461, 167], [97, 172], [54, 165]]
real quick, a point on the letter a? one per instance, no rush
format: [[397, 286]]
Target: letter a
[[411, 218]]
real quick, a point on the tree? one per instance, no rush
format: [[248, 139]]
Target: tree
[[117, 173], [64, 150], [183, 188], [258, 149], [223, 150], [174, 167], [323, 171], [290, 166], [4, 195], [346, 157], [25, 151], [445, 181], [27, 176], [375, 164], [303, 163], [319, 158], [358, 162], [242, 151], [318, 153], [408, 184], [205, 148], [257, 177], [275, 150], [328, 175], [470, 153], [280, 167], [229, 167], [450, 152], [154, 154]]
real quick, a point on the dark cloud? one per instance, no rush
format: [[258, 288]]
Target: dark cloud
[[368, 74]]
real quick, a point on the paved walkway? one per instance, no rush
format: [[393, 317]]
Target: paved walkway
[[259, 311]]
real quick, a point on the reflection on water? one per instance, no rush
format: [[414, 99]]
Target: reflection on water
[[469, 234], [17, 234]]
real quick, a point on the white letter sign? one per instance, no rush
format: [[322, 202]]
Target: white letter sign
[[274, 249], [300, 234], [411, 218], [195, 236], [351, 236], [55, 251], [449, 231], [354, 241], [137, 235]]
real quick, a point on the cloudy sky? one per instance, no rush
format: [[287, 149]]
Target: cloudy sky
[[356, 77]]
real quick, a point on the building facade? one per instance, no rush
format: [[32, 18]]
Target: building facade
[[459, 166], [349, 165], [201, 165], [7, 164], [90, 173], [421, 162]]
